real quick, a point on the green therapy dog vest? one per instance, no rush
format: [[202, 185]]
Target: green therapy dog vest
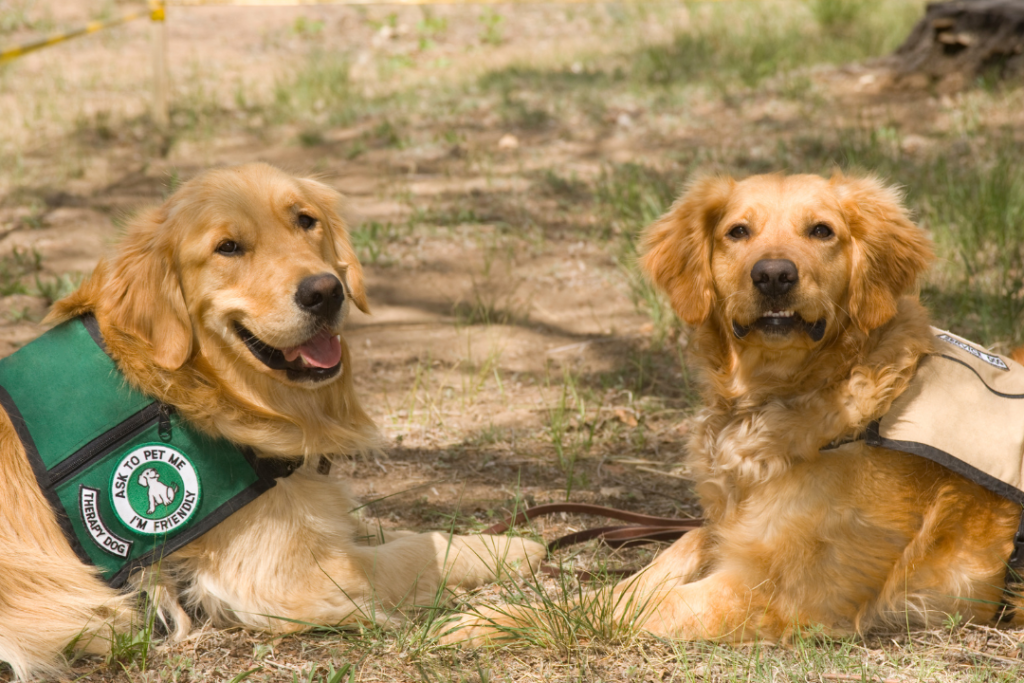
[[129, 480]]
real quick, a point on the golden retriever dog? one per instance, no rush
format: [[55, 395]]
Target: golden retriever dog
[[227, 304], [797, 287]]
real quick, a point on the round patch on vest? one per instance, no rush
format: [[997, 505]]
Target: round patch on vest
[[155, 489]]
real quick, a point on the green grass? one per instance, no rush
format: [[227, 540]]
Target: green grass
[[16, 15], [517, 112], [57, 287], [430, 29], [14, 268], [20, 274], [975, 207], [563, 79], [371, 240], [630, 197], [572, 433], [727, 44], [388, 134], [740, 42], [321, 91], [747, 41], [570, 189], [491, 27], [131, 649], [486, 307]]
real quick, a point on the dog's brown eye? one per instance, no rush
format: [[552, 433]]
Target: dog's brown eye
[[821, 232], [306, 222], [229, 248], [739, 232]]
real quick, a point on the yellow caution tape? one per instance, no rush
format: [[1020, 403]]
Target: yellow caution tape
[[91, 27]]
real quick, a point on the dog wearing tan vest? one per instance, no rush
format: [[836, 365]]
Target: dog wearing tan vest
[[832, 498]]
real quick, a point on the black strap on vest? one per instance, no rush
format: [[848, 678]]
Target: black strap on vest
[[279, 468], [276, 468]]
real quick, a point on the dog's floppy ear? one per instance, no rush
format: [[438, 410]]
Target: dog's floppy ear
[[676, 249], [138, 291], [329, 201], [889, 251]]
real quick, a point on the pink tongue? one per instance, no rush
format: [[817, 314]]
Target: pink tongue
[[322, 351]]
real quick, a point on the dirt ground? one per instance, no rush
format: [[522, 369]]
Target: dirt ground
[[441, 380], [506, 359]]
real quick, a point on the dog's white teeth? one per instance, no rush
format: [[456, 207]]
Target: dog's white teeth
[[779, 314]]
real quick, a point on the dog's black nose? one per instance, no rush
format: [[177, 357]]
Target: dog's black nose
[[321, 295], [774, 276]]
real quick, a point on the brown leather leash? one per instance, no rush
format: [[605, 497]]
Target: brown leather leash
[[640, 530]]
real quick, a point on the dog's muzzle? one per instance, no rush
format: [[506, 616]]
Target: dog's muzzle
[[775, 279], [317, 359]]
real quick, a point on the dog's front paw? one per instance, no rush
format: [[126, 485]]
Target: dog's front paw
[[488, 625], [519, 555], [474, 560]]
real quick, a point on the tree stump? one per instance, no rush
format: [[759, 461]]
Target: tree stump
[[961, 41]]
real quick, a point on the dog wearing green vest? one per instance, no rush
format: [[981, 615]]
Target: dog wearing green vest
[[174, 434]]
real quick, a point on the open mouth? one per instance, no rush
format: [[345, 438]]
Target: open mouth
[[781, 323], [316, 359]]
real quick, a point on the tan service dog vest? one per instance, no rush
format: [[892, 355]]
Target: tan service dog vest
[[964, 409]]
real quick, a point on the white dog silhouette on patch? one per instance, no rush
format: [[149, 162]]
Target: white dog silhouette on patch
[[159, 493]]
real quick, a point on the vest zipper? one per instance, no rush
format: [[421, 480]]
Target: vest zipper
[[164, 419], [108, 439]]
